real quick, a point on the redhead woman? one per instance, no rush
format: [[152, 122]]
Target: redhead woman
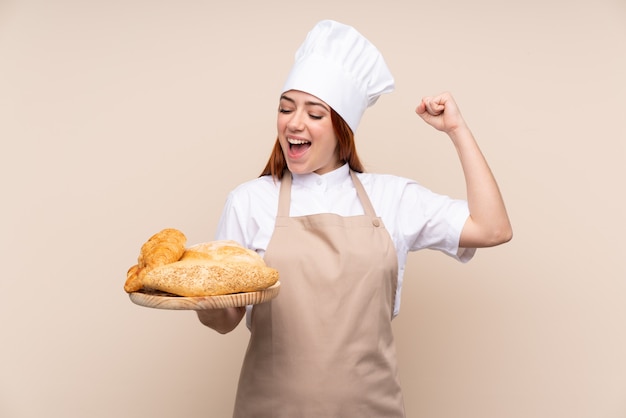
[[340, 237]]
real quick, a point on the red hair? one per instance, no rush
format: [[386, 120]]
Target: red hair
[[277, 165]]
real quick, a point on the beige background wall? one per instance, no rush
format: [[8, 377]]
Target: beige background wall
[[119, 118]]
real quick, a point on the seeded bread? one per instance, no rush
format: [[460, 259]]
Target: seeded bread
[[197, 277]]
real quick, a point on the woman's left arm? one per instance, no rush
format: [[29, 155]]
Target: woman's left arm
[[488, 224]]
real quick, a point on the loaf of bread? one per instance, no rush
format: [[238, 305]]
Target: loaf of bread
[[229, 251], [198, 277], [206, 269]]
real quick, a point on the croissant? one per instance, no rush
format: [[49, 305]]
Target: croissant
[[164, 247]]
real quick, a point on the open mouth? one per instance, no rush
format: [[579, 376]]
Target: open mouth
[[298, 146]]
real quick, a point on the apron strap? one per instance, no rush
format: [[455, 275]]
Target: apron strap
[[284, 198], [365, 200]]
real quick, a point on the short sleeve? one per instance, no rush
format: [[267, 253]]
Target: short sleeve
[[427, 220], [229, 226]]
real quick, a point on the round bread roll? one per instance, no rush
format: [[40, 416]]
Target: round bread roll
[[222, 251]]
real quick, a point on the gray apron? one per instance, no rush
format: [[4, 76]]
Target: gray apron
[[324, 347]]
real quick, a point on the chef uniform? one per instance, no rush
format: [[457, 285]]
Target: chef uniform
[[324, 347]]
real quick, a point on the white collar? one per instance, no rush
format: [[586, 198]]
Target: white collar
[[327, 180]]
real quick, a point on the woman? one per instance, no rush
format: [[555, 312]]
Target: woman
[[339, 238]]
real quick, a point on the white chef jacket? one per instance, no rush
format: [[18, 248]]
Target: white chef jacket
[[415, 217]]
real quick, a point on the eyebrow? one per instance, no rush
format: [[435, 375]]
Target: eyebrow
[[308, 102]]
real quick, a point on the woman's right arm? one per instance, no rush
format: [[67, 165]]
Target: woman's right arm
[[225, 320], [222, 320], [231, 226]]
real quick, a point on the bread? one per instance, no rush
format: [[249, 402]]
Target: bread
[[205, 269], [222, 251], [210, 278], [164, 247], [133, 282]]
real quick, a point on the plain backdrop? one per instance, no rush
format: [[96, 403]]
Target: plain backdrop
[[119, 118]]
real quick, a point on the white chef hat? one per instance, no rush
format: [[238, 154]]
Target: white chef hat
[[339, 66]]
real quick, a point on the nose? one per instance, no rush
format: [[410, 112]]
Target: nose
[[296, 122]]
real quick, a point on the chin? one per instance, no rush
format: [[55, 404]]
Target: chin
[[297, 169]]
